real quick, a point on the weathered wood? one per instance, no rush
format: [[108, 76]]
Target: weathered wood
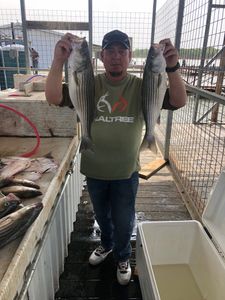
[[151, 168], [50, 120], [165, 216], [161, 208], [156, 200]]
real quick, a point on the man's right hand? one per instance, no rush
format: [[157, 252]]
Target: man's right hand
[[63, 48]]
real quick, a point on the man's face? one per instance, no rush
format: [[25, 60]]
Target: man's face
[[116, 59]]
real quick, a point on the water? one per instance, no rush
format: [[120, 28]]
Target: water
[[176, 282]]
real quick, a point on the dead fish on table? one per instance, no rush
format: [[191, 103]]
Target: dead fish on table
[[21, 191], [14, 225], [12, 167], [8, 204], [153, 91], [24, 182], [82, 89], [42, 165]]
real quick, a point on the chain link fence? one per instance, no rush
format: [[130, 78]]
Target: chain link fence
[[193, 137]]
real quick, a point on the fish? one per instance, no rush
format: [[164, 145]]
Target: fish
[[21, 191], [11, 168], [82, 89], [24, 182], [34, 169], [28, 175], [42, 165], [153, 89], [8, 204], [15, 224], [17, 181]]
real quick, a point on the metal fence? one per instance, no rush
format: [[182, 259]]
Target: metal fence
[[192, 138]]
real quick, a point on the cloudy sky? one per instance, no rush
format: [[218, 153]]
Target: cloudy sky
[[98, 5]]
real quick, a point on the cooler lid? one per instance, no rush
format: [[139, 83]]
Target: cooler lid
[[214, 214]]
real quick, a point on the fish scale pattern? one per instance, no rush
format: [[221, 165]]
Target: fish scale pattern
[[82, 281]]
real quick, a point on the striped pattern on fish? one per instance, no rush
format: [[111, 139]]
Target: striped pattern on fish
[[153, 91], [14, 225], [82, 89]]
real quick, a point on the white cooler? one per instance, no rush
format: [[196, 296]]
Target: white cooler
[[176, 260]]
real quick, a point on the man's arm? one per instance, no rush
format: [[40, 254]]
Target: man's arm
[[53, 90], [177, 91]]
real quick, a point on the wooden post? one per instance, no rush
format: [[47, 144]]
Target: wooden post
[[219, 84]]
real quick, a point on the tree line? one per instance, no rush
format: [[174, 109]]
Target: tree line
[[183, 53]]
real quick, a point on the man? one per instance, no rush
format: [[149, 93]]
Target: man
[[34, 57], [112, 169]]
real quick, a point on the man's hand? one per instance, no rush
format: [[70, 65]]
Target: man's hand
[[63, 48], [170, 53]]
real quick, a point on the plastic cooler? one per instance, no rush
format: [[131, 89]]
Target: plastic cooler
[[179, 260]]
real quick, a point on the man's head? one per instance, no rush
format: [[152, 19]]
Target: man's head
[[116, 54], [115, 37]]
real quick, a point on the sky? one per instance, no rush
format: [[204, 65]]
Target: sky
[[98, 5]]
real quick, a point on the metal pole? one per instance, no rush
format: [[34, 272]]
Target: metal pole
[[24, 29], [177, 45], [219, 84], [153, 21], [203, 55], [4, 72], [13, 33], [90, 26]]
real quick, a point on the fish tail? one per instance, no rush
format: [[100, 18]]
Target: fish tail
[[86, 144], [149, 142]]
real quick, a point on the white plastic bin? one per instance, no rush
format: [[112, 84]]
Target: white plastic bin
[[176, 260]]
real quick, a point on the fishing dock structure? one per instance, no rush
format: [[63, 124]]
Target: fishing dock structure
[[50, 260]]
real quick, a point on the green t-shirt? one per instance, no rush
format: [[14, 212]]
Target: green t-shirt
[[116, 131]]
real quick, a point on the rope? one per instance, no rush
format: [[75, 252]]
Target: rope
[[33, 151]]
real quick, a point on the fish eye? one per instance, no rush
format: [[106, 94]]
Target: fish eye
[[6, 203]]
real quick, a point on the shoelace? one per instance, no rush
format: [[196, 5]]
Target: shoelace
[[123, 266], [99, 250]]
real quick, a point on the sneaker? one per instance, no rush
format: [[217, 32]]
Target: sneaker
[[98, 255], [123, 272]]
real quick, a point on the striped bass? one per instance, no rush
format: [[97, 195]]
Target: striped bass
[[8, 204], [17, 181], [153, 91], [81, 88], [14, 225], [21, 191]]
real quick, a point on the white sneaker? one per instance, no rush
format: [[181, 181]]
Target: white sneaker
[[98, 255], [123, 272]]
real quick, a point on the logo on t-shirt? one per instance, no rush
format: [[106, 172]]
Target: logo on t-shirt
[[103, 106]]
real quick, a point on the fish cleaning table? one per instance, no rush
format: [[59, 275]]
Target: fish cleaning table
[[17, 255], [31, 264]]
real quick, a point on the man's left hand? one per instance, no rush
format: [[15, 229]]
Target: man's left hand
[[170, 53]]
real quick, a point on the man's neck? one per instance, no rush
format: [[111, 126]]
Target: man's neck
[[115, 77]]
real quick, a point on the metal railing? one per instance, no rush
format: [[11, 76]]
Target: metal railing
[[196, 153], [196, 139]]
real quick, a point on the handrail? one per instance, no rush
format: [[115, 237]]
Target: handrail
[[206, 94]]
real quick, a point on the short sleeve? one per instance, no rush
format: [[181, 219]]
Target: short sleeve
[[66, 101]]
